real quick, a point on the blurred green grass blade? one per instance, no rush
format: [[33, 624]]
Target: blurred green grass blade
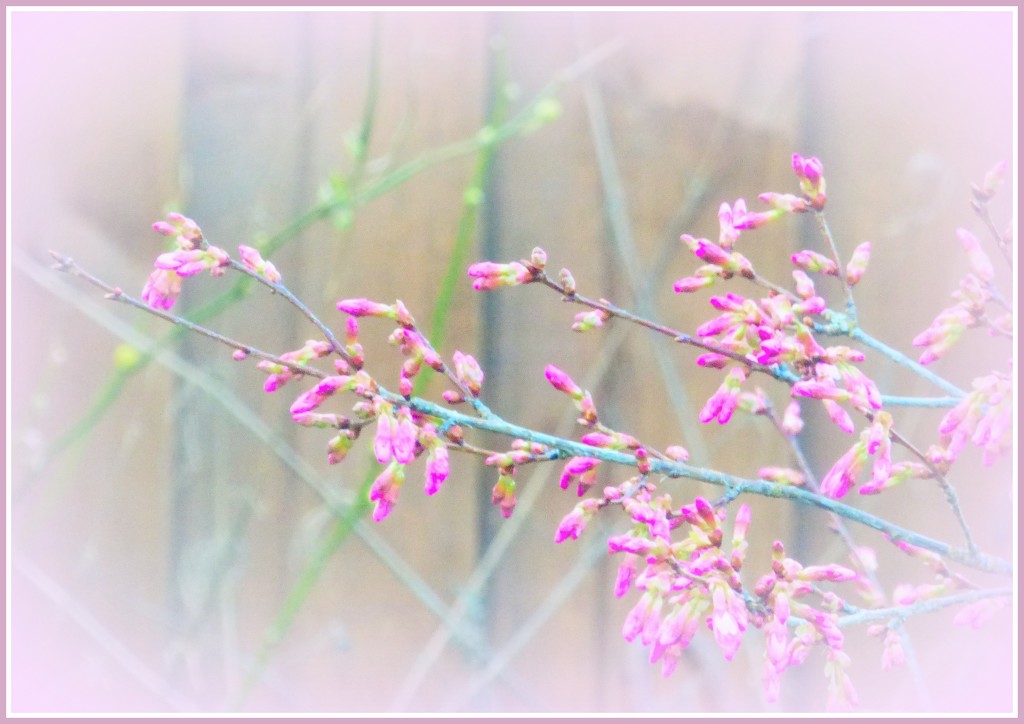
[[340, 532]]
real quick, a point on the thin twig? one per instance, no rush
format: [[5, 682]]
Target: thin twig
[[569, 448]]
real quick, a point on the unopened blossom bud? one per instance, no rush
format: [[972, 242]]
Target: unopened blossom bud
[[980, 262], [804, 284], [892, 653], [568, 283], [385, 489], [454, 434], [467, 369], [728, 618], [739, 536], [991, 182], [626, 573], [383, 441], [588, 413], [186, 232], [574, 523], [643, 461], [255, 263], [945, 330], [338, 446], [405, 386], [858, 263], [452, 397], [721, 405], [315, 397], [692, 284], [403, 441], [162, 289], [366, 308], [504, 494], [831, 572], [189, 262], [812, 180], [538, 258], [437, 468], [678, 453], [788, 203], [812, 261], [585, 321], [239, 354], [838, 415], [792, 422], [562, 382], [489, 275], [782, 476], [844, 472], [575, 467]]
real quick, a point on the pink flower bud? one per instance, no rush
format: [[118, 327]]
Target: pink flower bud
[[792, 423], [385, 489], [812, 180], [186, 232], [692, 284], [162, 289], [858, 263], [568, 282], [574, 523], [722, 404], [812, 261], [980, 262], [626, 573], [339, 446], [562, 382], [677, 453], [383, 441], [365, 308], [782, 476], [838, 415], [467, 369], [831, 572], [539, 257], [437, 468], [489, 275], [785, 202], [504, 495], [255, 263], [585, 321], [403, 441]]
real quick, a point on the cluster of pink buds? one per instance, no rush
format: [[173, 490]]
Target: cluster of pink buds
[[812, 180], [984, 417], [490, 275], [686, 583], [971, 298], [401, 437], [192, 256], [874, 442], [779, 593], [258, 265]]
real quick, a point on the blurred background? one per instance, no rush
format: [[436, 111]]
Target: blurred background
[[177, 544]]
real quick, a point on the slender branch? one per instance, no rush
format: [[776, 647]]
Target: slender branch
[[947, 487], [899, 358], [927, 606], [280, 288], [826, 232], [901, 401], [674, 334], [569, 448]]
